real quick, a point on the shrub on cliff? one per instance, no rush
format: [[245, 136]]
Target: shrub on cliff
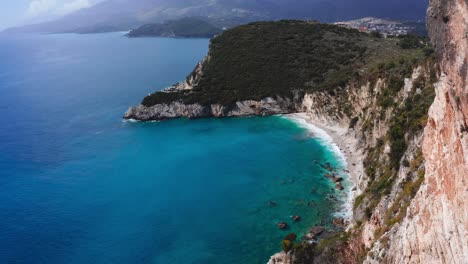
[[288, 242], [291, 237], [286, 245]]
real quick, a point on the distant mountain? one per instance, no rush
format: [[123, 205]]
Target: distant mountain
[[114, 15], [184, 28]]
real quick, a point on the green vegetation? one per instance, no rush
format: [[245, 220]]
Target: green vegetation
[[286, 245], [268, 59], [409, 117], [376, 34], [185, 28], [397, 211], [288, 242], [412, 42], [329, 250], [358, 201]]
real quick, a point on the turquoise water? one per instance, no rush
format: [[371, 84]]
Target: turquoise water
[[79, 185]]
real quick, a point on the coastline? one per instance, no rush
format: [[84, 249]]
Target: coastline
[[342, 142]]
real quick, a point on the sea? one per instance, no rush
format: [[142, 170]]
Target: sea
[[78, 184]]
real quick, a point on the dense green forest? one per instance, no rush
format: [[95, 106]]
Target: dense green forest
[[266, 59]]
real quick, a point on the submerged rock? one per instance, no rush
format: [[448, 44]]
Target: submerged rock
[[316, 230], [337, 179], [283, 225], [339, 187], [296, 218]]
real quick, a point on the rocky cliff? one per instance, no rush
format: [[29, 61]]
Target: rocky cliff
[[423, 220], [384, 128], [419, 212], [265, 107], [435, 229]]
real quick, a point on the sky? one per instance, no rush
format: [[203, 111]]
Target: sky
[[19, 12]]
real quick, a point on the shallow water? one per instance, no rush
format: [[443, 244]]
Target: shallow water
[[79, 185]]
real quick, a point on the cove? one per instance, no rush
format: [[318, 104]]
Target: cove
[[79, 185]]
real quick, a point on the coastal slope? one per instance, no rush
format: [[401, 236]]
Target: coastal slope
[[435, 229], [265, 68]]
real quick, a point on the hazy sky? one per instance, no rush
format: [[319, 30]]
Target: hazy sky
[[17, 12]]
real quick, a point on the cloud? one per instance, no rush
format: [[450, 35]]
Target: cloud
[[37, 7], [55, 7], [69, 7]]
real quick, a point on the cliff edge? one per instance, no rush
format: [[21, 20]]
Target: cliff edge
[[435, 229]]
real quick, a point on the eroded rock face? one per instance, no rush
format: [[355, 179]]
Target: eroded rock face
[[167, 111], [265, 107], [435, 229]]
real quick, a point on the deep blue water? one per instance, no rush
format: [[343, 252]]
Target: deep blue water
[[79, 185]]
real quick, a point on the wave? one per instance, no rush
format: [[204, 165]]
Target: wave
[[323, 137], [131, 120]]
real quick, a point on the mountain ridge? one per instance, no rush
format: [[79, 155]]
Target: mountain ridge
[[122, 15]]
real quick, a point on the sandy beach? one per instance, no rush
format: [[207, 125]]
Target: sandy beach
[[345, 145]]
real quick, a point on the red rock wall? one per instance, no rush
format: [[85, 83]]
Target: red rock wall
[[435, 228]]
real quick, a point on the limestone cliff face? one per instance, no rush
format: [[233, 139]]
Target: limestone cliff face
[[435, 229], [264, 107]]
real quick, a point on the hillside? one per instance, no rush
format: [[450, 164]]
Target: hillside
[[183, 28], [284, 60]]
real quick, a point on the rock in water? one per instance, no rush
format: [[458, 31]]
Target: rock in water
[[282, 225], [296, 218], [339, 187]]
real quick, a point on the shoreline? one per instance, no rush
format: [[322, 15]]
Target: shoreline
[[345, 146]]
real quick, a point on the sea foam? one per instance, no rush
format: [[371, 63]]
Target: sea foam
[[327, 141], [323, 137]]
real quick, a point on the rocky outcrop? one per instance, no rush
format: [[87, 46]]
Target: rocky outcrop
[[267, 106], [435, 229], [281, 258]]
